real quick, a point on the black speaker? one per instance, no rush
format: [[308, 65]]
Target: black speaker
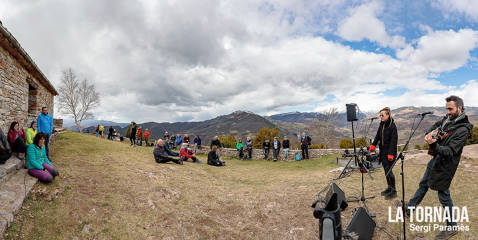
[[339, 199], [330, 222], [362, 224], [351, 112]]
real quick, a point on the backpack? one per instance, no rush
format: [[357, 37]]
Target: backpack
[[298, 157]]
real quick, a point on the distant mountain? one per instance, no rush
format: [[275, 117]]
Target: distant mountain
[[70, 124], [239, 123]]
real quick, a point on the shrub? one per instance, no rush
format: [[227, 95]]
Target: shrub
[[318, 146], [400, 148], [417, 147], [425, 146], [346, 143], [228, 141], [263, 134], [474, 137]]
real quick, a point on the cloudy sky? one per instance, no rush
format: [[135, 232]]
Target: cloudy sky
[[190, 60]]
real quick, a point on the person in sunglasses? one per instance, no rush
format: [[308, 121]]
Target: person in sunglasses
[[387, 138]]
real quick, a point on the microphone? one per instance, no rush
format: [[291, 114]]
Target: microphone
[[425, 113]]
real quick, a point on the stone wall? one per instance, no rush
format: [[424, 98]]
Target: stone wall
[[21, 94], [259, 154]]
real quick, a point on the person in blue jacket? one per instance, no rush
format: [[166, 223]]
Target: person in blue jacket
[[45, 125]]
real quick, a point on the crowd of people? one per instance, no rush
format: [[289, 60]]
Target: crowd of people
[[31, 145]]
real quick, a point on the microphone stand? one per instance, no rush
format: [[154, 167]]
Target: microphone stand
[[402, 173]]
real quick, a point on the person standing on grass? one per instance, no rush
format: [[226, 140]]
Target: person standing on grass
[[5, 151], [16, 138], [266, 146], [213, 157], [102, 131], [446, 139], [139, 136], [146, 136], [240, 149], [387, 137], [197, 143], [276, 148], [186, 138], [45, 125], [166, 135], [31, 132], [304, 145], [132, 137], [97, 130], [286, 145], [249, 145], [161, 156], [37, 161], [111, 133]]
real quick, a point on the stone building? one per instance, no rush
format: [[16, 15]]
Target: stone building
[[24, 89]]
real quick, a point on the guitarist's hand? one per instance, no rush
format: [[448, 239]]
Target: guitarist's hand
[[429, 139]]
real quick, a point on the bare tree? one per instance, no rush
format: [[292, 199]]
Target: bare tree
[[324, 127], [77, 98]]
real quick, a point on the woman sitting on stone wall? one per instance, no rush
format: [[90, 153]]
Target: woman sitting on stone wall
[[16, 138], [38, 164]]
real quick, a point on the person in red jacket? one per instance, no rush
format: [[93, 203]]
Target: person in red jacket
[[16, 138], [146, 136], [187, 153], [139, 136]]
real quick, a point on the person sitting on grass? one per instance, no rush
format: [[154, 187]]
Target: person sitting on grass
[[168, 150], [213, 158], [240, 149], [16, 138], [161, 156], [31, 133], [186, 153], [5, 151], [38, 164]]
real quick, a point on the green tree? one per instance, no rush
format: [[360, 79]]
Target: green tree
[[263, 134]]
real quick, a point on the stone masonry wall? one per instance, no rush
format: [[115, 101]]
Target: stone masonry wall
[[259, 154], [15, 103]]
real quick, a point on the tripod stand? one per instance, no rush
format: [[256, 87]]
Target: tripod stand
[[402, 173], [362, 168]]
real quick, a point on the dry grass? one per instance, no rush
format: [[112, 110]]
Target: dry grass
[[112, 191]]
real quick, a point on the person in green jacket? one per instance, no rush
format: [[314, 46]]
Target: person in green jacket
[[240, 148], [38, 164], [31, 132]]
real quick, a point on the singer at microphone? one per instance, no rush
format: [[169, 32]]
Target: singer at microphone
[[387, 138]]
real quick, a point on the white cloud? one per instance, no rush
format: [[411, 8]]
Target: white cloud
[[441, 51], [193, 60], [363, 23], [467, 7]]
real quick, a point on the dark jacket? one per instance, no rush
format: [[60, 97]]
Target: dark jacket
[[266, 145], [133, 131], [159, 153], [387, 137], [213, 158], [285, 143], [216, 143], [197, 141], [168, 150], [4, 141], [448, 151], [305, 141]]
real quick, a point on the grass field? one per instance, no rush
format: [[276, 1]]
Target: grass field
[[109, 190]]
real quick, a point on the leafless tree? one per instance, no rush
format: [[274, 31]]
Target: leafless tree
[[77, 98], [324, 128]]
